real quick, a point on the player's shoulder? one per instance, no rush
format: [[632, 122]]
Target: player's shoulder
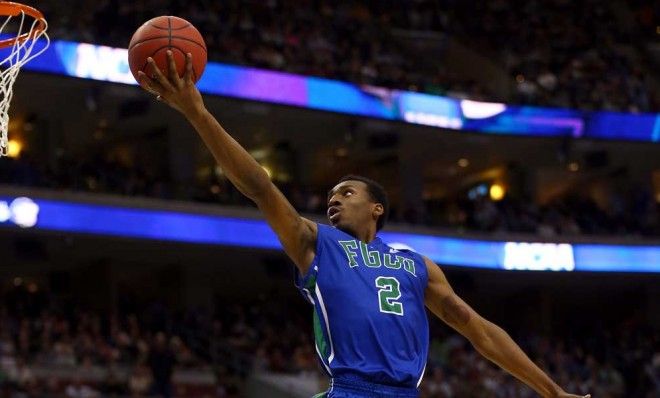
[[330, 232]]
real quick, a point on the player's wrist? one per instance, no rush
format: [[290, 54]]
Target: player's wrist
[[196, 113], [555, 392]]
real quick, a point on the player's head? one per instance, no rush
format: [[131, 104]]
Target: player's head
[[355, 202]]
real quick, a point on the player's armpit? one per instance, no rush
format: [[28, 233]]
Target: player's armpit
[[446, 305], [297, 234]]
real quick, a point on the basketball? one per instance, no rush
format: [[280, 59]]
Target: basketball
[[158, 35]]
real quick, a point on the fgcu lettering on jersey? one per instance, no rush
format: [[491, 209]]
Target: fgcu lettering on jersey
[[373, 258], [369, 318]]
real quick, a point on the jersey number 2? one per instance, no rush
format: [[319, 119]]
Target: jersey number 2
[[388, 293]]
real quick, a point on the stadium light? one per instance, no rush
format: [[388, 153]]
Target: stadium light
[[497, 192], [14, 149]]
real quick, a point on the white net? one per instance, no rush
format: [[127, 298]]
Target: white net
[[20, 53]]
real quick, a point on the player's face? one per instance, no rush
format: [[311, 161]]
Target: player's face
[[350, 206]]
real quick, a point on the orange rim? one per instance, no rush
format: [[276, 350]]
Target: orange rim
[[11, 9]]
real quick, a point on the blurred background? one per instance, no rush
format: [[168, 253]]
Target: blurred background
[[553, 141]]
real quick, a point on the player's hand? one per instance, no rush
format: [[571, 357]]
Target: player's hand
[[564, 394], [178, 92]]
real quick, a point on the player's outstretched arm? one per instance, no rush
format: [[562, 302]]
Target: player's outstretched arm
[[297, 234], [487, 338]]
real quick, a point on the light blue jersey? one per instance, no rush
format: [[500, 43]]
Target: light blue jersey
[[370, 321]]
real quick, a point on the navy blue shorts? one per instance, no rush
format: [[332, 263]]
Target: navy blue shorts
[[359, 389]]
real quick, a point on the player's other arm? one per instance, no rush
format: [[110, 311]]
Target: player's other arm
[[488, 339], [297, 234]]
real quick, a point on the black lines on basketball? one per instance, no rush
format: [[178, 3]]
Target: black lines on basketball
[[169, 32], [166, 28], [201, 45]]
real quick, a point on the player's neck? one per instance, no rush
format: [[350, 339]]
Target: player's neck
[[366, 235]]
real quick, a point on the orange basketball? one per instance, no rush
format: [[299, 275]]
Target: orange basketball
[[160, 34]]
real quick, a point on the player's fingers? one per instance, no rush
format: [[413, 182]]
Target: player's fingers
[[158, 75], [171, 66], [149, 84], [143, 80], [188, 77]]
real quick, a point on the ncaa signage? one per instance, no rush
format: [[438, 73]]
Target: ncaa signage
[[102, 63], [538, 256], [20, 211]]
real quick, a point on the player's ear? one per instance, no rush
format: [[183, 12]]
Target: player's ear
[[378, 210]]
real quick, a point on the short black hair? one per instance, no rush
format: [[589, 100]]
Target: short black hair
[[377, 193]]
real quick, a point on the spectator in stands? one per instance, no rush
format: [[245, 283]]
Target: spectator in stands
[[554, 55], [112, 385], [161, 361], [21, 374], [78, 389], [140, 381], [624, 363]]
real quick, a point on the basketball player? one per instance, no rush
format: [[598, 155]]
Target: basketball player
[[369, 320]]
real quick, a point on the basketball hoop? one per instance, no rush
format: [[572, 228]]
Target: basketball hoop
[[20, 48]]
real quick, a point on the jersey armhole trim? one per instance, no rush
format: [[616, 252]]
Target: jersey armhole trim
[[307, 282]]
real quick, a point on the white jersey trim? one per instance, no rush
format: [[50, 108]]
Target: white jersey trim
[[327, 368], [327, 323], [419, 382]]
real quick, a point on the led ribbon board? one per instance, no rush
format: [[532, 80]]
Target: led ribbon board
[[52, 215], [102, 63]]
